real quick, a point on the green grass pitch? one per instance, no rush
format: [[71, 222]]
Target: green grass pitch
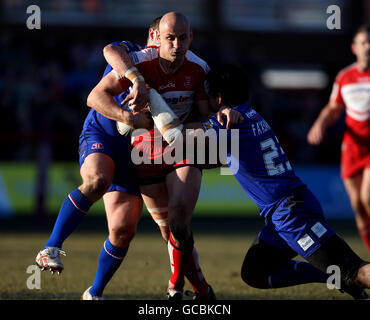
[[145, 272]]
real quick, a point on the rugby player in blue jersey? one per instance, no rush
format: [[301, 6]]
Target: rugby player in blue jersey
[[295, 223], [106, 171]]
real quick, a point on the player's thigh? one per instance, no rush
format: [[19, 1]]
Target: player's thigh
[[123, 211], [97, 168], [183, 186], [155, 197], [353, 188], [300, 222], [365, 189]]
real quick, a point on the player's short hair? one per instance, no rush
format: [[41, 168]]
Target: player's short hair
[[230, 83], [363, 28], [155, 23]]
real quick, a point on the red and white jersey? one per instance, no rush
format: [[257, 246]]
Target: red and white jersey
[[352, 89], [181, 89]]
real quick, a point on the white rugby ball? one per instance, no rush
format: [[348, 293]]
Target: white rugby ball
[[123, 128]]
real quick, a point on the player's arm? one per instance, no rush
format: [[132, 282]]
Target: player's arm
[[231, 116], [327, 117], [123, 65], [206, 110], [101, 99]]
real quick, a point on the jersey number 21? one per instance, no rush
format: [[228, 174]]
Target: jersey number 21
[[270, 153]]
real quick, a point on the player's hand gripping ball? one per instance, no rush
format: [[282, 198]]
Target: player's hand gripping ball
[[123, 128]]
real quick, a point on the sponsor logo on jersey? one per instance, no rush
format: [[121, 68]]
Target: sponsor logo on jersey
[[305, 242], [207, 125], [363, 79], [166, 86], [97, 145], [318, 229], [187, 82], [251, 114], [176, 100]]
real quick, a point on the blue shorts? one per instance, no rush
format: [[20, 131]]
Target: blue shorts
[[297, 224], [95, 140]]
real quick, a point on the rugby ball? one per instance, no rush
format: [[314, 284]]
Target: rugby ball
[[123, 128]]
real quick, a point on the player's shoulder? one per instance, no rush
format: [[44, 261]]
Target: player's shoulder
[[144, 55], [193, 58], [128, 45], [347, 71]]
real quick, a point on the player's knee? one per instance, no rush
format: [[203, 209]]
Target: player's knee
[[180, 231], [165, 232], [356, 203], [251, 272], [178, 209], [97, 184], [365, 201], [122, 234]]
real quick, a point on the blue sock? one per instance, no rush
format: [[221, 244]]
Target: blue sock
[[297, 272], [71, 214], [110, 259]]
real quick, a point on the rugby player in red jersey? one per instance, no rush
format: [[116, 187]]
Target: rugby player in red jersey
[[178, 76], [351, 92]]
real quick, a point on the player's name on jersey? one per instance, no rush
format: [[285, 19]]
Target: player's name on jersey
[[212, 146], [260, 127]]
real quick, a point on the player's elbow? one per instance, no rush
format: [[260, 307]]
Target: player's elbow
[[91, 98], [108, 49]]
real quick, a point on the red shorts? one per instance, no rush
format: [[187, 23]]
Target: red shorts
[[355, 155], [154, 158]]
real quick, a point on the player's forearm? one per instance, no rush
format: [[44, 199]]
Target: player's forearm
[[104, 103], [118, 58], [328, 116]]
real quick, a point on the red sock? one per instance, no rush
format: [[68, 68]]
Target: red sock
[[178, 258], [195, 275]]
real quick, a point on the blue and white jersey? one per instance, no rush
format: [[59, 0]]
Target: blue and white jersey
[[94, 118], [260, 164]]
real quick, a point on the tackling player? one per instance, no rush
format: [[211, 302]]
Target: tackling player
[[351, 92], [295, 224]]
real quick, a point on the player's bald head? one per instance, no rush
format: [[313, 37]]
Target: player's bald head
[[175, 36], [174, 21]]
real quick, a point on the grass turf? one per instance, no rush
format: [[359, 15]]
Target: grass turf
[[145, 272]]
